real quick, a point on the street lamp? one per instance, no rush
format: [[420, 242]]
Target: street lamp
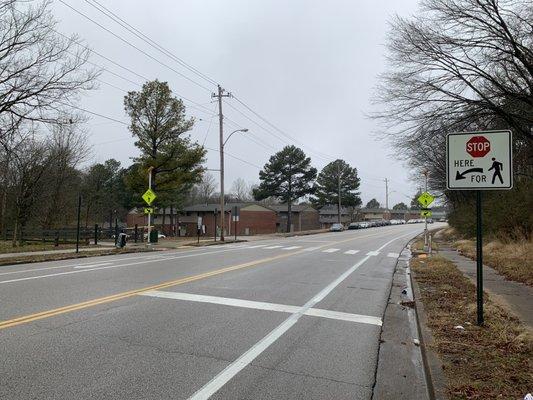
[[222, 214]]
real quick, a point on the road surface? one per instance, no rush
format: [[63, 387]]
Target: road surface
[[290, 318]]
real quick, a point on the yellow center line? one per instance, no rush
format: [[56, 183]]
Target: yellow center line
[[123, 295]]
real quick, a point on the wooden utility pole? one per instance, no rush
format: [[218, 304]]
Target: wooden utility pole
[[220, 95]]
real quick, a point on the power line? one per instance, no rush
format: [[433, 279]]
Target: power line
[[130, 28], [135, 47], [235, 157]]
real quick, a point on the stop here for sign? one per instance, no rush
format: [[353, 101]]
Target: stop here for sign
[[479, 160], [478, 146]]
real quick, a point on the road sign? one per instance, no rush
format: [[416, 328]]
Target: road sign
[[425, 199], [149, 196], [426, 213], [479, 160], [148, 210]]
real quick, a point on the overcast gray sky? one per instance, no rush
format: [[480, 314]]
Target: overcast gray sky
[[308, 67]]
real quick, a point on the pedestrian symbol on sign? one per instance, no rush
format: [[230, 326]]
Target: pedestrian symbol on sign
[[497, 167]]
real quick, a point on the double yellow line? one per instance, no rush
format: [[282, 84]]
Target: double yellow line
[[119, 296]]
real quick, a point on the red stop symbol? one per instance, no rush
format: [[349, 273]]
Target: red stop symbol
[[478, 146]]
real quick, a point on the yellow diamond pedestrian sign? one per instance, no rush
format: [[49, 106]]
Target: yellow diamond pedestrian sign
[[425, 213], [148, 210], [425, 199], [149, 196]]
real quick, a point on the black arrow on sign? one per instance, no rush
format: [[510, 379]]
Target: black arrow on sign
[[460, 176]]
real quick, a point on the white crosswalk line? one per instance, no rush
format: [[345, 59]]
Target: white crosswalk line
[[330, 250], [291, 247], [393, 255], [259, 305], [351, 252], [273, 247], [372, 253], [312, 248], [256, 246]]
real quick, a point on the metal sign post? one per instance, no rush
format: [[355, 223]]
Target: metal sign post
[[479, 161], [149, 197]]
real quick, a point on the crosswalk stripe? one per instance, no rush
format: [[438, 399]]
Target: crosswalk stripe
[[256, 246], [330, 250], [291, 247], [393, 255], [273, 247], [351, 252], [312, 248], [372, 253]]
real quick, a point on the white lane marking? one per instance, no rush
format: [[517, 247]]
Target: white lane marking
[[91, 265], [330, 250], [311, 248], [111, 266], [135, 256], [259, 305], [273, 247], [351, 252], [393, 255], [291, 248], [372, 253], [256, 246], [240, 363]]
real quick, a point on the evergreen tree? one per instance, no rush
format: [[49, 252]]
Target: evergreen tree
[[288, 176], [334, 176]]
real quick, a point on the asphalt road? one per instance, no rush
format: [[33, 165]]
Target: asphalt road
[[291, 318]]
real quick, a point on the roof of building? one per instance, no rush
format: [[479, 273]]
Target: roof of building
[[228, 207], [294, 207], [332, 209]]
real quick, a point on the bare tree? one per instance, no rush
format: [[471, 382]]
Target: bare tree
[[30, 161], [206, 188], [460, 58], [41, 70], [241, 190]]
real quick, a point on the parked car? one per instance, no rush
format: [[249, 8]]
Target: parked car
[[354, 225], [336, 228], [364, 224]]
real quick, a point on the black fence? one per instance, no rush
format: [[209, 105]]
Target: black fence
[[87, 235]]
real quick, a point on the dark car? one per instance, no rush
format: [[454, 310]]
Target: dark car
[[355, 225]]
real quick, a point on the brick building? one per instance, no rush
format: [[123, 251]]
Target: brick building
[[303, 217], [329, 215], [254, 219]]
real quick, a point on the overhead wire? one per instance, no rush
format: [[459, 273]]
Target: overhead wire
[[135, 47], [130, 28]]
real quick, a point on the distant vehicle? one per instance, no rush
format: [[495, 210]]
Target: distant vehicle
[[364, 224], [336, 228], [355, 225]]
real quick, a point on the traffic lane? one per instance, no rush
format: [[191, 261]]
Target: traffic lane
[[315, 359], [137, 348], [118, 312], [294, 281], [58, 289], [50, 292]]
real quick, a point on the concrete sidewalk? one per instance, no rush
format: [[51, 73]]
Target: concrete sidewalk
[[60, 251], [516, 296]]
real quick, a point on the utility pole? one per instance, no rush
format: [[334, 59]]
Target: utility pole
[[220, 95], [339, 189], [386, 194]]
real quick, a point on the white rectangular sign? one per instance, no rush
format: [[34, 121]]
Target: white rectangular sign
[[479, 160]]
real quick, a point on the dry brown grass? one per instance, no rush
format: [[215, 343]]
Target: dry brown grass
[[513, 260], [489, 362], [7, 247]]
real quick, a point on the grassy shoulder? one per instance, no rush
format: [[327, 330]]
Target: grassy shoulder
[[7, 247], [489, 362], [23, 259], [512, 259]]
